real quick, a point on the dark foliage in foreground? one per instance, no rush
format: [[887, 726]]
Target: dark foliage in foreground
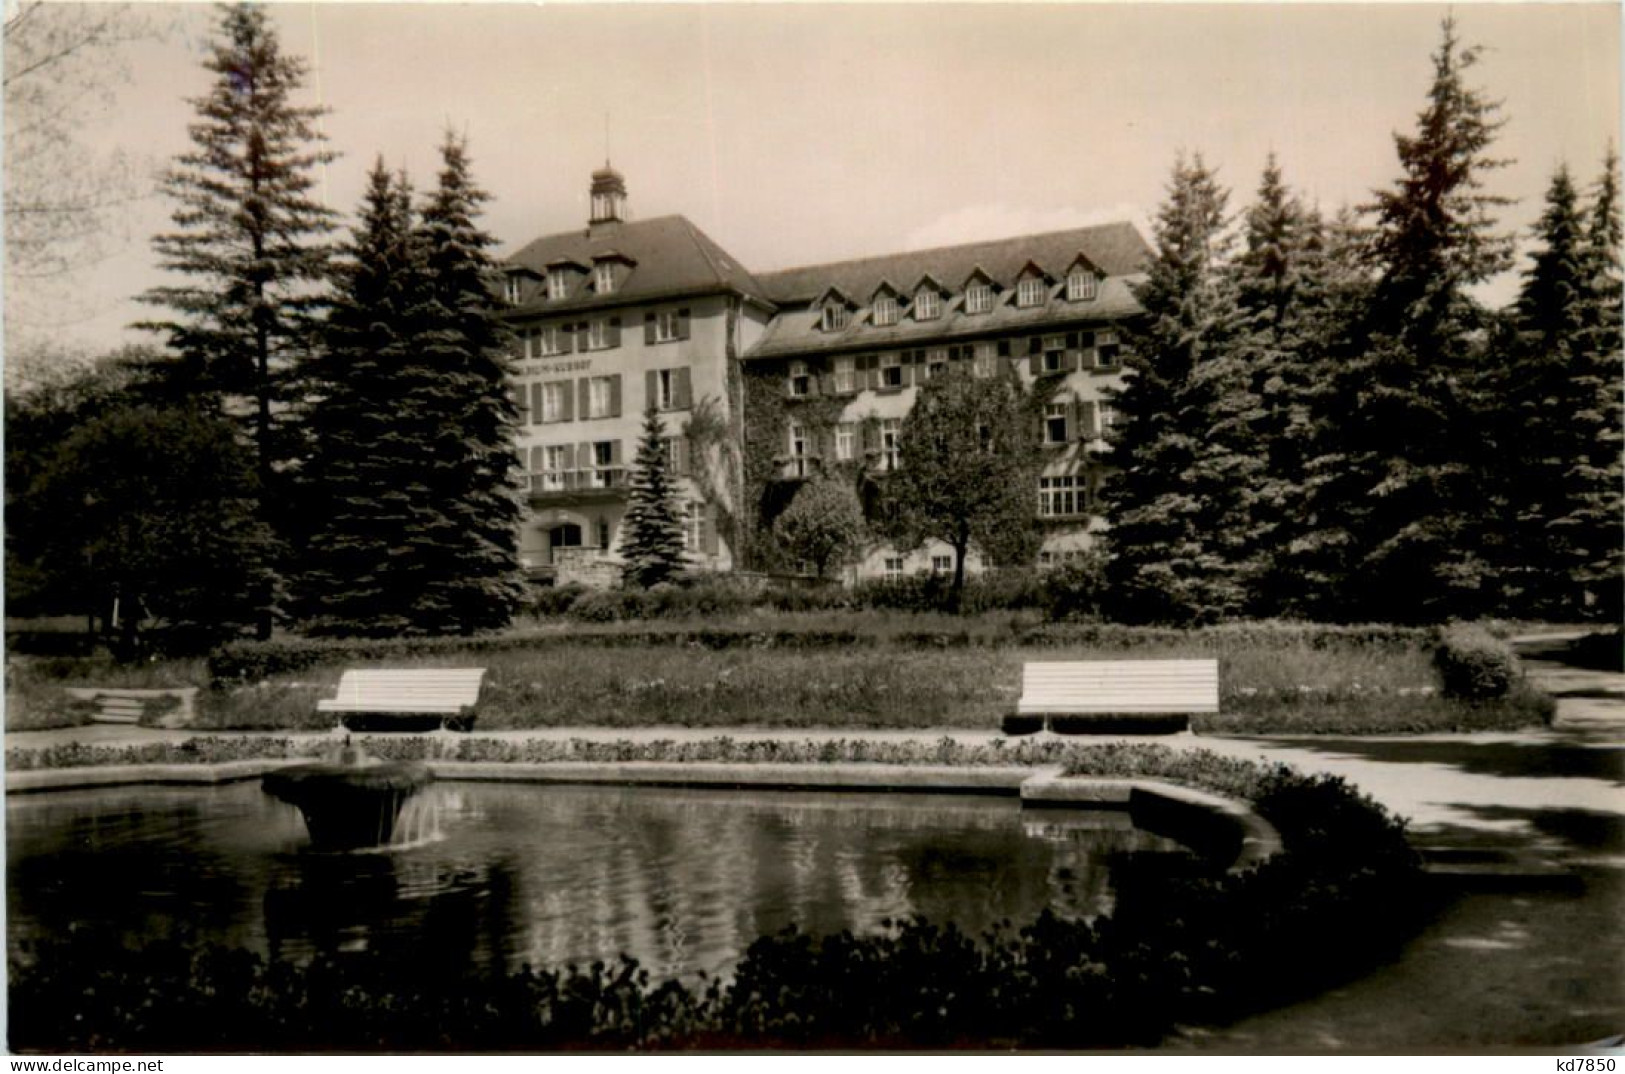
[[1184, 946]]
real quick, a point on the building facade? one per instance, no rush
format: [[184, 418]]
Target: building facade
[[807, 370]]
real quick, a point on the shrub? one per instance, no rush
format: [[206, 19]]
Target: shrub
[[551, 601], [1474, 665], [607, 605]]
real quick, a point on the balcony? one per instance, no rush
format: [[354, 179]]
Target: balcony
[[578, 486]]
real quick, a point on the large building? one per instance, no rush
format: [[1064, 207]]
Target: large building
[[792, 372]]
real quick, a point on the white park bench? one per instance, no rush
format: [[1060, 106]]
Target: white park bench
[[1114, 696], [415, 699]]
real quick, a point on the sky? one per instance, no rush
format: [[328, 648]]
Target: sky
[[801, 133]]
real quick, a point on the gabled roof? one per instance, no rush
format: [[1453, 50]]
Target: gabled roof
[[835, 292], [1037, 270], [977, 272], [673, 258], [1115, 249], [1083, 259], [927, 278], [884, 287]]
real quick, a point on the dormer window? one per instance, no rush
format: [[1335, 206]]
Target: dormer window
[[1082, 285], [511, 289], [1030, 292], [978, 298], [603, 277], [834, 317], [885, 310], [558, 285], [927, 305]]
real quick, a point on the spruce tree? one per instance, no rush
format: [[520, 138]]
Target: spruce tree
[[1535, 426], [1186, 460], [1594, 484], [369, 449], [1278, 353], [250, 239], [651, 531], [467, 549], [1398, 504]]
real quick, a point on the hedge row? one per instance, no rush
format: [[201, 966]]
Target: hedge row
[[1182, 947], [241, 662]]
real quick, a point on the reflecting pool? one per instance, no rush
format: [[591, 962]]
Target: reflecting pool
[[498, 875]]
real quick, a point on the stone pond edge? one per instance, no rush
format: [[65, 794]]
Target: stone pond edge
[[1208, 822]]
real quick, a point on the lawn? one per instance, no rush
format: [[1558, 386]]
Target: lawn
[[1271, 683]]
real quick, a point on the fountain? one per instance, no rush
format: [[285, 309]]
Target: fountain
[[349, 800]]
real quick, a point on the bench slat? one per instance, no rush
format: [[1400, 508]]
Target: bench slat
[[408, 691], [1111, 687]]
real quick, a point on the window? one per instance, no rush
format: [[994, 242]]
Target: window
[[1055, 423], [1030, 292], [936, 363], [693, 525], [603, 277], [558, 284], [890, 432], [511, 290], [1108, 420], [1059, 497], [846, 441], [1053, 361], [675, 450], [800, 379], [598, 335], [798, 451], [1081, 286], [1108, 352], [927, 305], [603, 458], [603, 534], [665, 389], [553, 468], [667, 326], [553, 400], [885, 310], [834, 317], [600, 396], [549, 341], [978, 298], [891, 370], [982, 365], [893, 567], [942, 564], [846, 373]]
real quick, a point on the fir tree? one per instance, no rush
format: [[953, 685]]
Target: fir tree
[[1397, 501], [363, 489], [466, 550], [249, 238], [1187, 464], [651, 531]]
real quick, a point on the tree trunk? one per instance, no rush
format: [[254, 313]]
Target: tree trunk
[[956, 601]]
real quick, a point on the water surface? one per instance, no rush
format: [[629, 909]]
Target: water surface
[[683, 880]]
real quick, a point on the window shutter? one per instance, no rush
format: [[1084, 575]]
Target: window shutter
[[651, 388], [584, 457], [581, 336], [615, 396], [1090, 421], [569, 456], [614, 452], [682, 324], [562, 334], [871, 371], [871, 437], [1072, 342], [648, 329], [614, 331], [567, 410], [583, 398], [708, 530], [1069, 360], [538, 457], [1004, 348], [1035, 344], [536, 404], [1036, 363], [682, 389]]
